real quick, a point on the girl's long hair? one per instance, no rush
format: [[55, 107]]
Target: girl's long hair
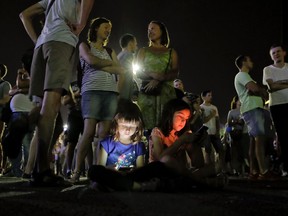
[[166, 121]]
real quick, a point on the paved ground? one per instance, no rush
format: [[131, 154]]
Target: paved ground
[[240, 197]]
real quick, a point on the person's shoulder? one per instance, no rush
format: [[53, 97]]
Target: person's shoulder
[[139, 144], [124, 54], [84, 43], [268, 67], [156, 132], [143, 49], [241, 74], [108, 139]]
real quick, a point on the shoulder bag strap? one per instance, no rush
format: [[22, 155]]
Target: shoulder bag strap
[[170, 52]]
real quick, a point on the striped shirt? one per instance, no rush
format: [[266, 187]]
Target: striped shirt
[[95, 79]]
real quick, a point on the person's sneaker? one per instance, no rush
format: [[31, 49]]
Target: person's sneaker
[[268, 176], [284, 173], [75, 178], [26, 176], [68, 175], [48, 179], [9, 174], [253, 176]]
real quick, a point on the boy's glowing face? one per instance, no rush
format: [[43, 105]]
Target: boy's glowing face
[[180, 118], [127, 129]]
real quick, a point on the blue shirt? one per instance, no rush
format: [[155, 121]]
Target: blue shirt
[[122, 155]]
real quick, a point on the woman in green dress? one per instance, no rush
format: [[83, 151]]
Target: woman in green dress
[[159, 67]]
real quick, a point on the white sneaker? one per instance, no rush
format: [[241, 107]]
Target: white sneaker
[[284, 173]]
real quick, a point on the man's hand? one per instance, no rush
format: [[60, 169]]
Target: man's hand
[[76, 28]]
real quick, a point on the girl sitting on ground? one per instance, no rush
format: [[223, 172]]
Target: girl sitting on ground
[[124, 148], [170, 145]]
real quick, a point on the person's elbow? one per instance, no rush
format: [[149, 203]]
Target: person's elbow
[[22, 15]]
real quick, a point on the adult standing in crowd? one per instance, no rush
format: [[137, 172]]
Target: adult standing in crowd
[[18, 127], [159, 67], [239, 138], [99, 88], [75, 124], [252, 98], [212, 121], [275, 76], [128, 88], [53, 64]]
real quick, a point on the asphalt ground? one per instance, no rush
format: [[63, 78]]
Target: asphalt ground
[[239, 197]]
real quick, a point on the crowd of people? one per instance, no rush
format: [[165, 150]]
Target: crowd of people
[[127, 129]]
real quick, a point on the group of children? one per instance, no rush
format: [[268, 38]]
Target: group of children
[[175, 156]]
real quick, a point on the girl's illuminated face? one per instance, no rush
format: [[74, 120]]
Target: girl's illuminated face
[[180, 118], [126, 129]]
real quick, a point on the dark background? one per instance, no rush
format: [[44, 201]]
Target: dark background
[[207, 34]]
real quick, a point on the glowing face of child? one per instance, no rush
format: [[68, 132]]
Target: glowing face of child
[[126, 129], [180, 118]]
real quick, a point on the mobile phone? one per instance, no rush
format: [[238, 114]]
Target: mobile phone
[[202, 129]]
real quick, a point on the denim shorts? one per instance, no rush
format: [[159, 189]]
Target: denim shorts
[[99, 105], [255, 120]]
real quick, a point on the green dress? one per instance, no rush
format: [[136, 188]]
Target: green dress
[[152, 106]]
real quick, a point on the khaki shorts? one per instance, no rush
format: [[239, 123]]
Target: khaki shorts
[[53, 66]]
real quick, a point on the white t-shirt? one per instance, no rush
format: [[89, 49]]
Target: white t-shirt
[[276, 74], [211, 124], [248, 102], [21, 103], [55, 27]]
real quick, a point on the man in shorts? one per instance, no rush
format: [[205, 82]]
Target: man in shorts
[[252, 98], [53, 64]]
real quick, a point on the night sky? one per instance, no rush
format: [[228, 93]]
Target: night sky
[[208, 35]]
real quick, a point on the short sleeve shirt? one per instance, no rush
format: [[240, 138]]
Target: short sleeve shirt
[[166, 141], [248, 102], [56, 27], [122, 155], [211, 124], [276, 75]]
